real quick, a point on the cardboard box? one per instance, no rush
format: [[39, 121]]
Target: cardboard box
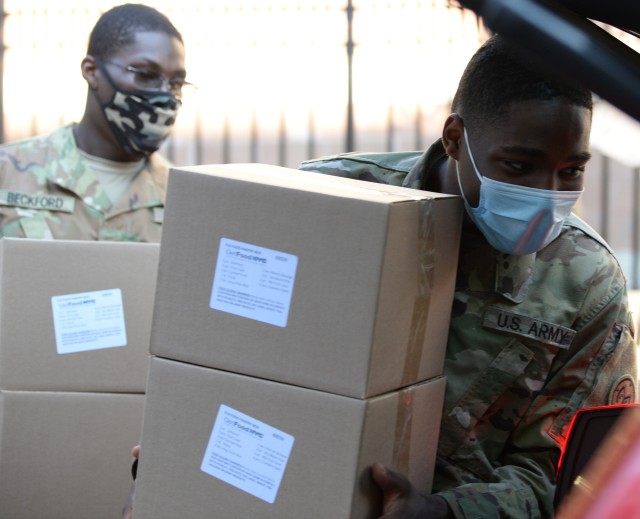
[[75, 315], [66, 455], [221, 444], [327, 283]]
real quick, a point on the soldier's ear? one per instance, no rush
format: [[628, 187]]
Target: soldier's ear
[[89, 71], [452, 135]]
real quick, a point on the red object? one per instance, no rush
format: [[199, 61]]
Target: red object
[[604, 484]]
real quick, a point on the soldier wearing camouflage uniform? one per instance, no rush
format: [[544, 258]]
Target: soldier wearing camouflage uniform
[[540, 326], [101, 179]]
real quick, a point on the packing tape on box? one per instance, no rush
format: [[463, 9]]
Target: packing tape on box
[[425, 273], [402, 435]]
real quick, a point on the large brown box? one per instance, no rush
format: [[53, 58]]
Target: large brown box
[[328, 283], [75, 323], [66, 455], [221, 444], [116, 279]]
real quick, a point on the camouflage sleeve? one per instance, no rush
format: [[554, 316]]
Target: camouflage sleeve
[[383, 168], [599, 369]]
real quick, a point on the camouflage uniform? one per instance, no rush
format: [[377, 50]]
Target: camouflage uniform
[[47, 192], [532, 339]]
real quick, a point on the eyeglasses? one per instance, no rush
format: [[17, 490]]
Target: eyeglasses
[[151, 80]]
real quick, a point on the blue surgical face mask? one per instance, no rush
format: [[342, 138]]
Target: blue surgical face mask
[[518, 219]]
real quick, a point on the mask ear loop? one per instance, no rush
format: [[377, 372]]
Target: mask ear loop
[[473, 162], [460, 185]]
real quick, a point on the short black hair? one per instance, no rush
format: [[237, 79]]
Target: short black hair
[[500, 73], [117, 27]]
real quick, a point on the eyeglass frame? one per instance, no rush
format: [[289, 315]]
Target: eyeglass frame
[[173, 88]]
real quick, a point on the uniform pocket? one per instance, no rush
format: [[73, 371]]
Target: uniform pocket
[[493, 382]]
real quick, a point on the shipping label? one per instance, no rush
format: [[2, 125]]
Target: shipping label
[[247, 453], [253, 282], [89, 321]]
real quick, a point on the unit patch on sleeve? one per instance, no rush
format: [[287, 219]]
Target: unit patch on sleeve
[[525, 326], [623, 391]]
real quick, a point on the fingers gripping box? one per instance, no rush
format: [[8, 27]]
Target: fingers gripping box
[[328, 283]]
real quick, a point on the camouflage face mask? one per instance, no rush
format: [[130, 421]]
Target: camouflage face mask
[[140, 120]]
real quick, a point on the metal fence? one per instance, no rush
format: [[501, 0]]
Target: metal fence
[[281, 81]]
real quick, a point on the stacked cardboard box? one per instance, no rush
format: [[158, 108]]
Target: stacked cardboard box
[[75, 320], [299, 330]]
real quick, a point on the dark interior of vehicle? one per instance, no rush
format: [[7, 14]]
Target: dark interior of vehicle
[[588, 429], [563, 33]]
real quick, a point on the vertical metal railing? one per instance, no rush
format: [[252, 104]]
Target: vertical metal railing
[[350, 144], [282, 139], [311, 139], [226, 140], [3, 15]]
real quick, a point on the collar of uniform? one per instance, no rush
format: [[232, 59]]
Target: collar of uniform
[[148, 189], [514, 275], [72, 174], [417, 176], [482, 269]]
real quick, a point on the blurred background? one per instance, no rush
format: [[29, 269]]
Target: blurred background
[[280, 81]]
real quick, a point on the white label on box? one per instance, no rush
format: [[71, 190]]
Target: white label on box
[[89, 321], [253, 282], [247, 453]]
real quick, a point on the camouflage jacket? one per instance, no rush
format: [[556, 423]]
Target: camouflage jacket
[[47, 192], [532, 339]]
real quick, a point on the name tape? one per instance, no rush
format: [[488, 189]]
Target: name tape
[[37, 201], [537, 329]]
